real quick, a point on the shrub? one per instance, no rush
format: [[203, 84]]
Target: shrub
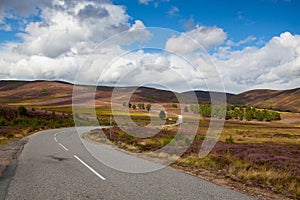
[[230, 140], [186, 109], [22, 111], [148, 107], [162, 115]]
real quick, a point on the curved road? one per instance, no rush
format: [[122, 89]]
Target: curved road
[[55, 165]]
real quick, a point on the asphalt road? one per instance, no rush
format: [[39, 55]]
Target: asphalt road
[[56, 165]]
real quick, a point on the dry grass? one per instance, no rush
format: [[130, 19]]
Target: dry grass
[[261, 154]]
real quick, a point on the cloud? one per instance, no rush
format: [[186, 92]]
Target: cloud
[[155, 3], [73, 28], [189, 24], [275, 65], [207, 37], [173, 11], [146, 2], [248, 39], [55, 46]]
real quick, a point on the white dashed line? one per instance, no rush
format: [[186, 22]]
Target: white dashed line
[[97, 174], [63, 146], [91, 169]]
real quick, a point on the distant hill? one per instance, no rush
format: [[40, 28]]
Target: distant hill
[[56, 93], [283, 100]]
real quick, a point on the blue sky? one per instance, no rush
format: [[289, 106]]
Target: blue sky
[[252, 44], [262, 19]]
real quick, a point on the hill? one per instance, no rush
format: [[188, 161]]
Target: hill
[[56, 93], [282, 100]]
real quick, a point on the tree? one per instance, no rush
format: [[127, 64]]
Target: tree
[[22, 111], [174, 105], [241, 114], [162, 115], [205, 110], [186, 109], [148, 107], [129, 105], [259, 115], [134, 107], [249, 114], [139, 106]]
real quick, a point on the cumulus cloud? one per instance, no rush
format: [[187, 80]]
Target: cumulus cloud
[[201, 36], [55, 46], [275, 65], [69, 31]]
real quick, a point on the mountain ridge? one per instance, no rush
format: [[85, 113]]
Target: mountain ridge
[[282, 100]]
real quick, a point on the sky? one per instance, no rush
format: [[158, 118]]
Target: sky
[[205, 45]]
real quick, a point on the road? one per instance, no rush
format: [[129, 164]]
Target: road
[[55, 165]]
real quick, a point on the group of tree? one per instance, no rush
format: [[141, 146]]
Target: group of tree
[[251, 113], [234, 112], [21, 117], [140, 106]]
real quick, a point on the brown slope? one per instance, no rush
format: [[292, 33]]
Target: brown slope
[[34, 91], [205, 96], [283, 100], [54, 93]]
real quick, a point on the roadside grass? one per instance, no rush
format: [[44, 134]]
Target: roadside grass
[[264, 155], [14, 125], [246, 151], [249, 133], [246, 172]]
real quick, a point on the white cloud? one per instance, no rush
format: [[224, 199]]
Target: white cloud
[[173, 11], [201, 36], [56, 46], [146, 2], [275, 65], [245, 41]]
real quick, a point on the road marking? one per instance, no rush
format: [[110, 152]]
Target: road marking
[[63, 146], [97, 174], [55, 139]]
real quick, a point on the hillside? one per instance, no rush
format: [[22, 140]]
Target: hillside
[[54, 93], [283, 100]]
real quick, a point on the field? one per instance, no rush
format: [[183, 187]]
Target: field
[[257, 153], [263, 155]]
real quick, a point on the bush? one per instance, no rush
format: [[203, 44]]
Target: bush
[[230, 140], [148, 107], [162, 115], [186, 109], [22, 111]]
